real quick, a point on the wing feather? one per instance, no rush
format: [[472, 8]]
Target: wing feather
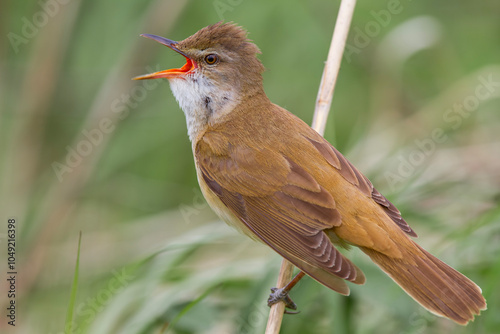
[[351, 174], [291, 220]]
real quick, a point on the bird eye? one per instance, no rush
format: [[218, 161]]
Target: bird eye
[[211, 59]]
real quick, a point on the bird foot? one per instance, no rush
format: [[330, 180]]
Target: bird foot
[[281, 295]]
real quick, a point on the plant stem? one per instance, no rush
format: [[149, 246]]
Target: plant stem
[[332, 65], [278, 309], [323, 103]]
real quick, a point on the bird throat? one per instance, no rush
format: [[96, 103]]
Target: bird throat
[[203, 101]]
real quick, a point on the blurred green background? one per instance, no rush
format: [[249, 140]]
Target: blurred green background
[[84, 148]]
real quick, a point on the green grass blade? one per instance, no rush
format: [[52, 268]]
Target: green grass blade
[[189, 307], [72, 299]]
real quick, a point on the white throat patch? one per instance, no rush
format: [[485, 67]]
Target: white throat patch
[[202, 101]]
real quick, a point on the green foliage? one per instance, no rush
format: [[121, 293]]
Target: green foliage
[[84, 148], [74, 287]]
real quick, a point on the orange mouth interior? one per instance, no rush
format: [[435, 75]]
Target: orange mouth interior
[[171, 73]]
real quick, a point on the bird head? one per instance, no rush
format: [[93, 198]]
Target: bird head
[[221, 70]]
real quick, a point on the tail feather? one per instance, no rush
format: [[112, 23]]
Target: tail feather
[[432, 283]]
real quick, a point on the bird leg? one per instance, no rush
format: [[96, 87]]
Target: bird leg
[[281, 294]]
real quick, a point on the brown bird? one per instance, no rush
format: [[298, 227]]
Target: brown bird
[[267, 173]]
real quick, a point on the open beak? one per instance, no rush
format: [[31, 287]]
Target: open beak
[[174, 72]]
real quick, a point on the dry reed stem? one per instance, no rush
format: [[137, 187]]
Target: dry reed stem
[[323, 103]]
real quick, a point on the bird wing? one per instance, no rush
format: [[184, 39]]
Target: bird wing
[[351, 174], [280, 203]]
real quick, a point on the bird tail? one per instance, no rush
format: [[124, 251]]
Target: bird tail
[[433, 284]]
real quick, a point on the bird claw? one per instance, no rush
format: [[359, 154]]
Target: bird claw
[[281, 295]]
